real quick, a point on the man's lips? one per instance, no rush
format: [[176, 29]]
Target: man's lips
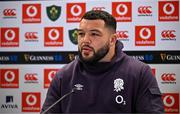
[[86, 49]]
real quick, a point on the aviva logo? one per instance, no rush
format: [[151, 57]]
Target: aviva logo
[[53, 12]]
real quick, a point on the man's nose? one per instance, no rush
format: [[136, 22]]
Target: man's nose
[[87, 38]]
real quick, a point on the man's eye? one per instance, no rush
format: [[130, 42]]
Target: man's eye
[[95, 34], [80, 33]]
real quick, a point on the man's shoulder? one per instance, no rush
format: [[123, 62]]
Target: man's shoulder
[[133, 66], [68, 68], [132, 62]]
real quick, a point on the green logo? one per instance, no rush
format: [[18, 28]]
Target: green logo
[[73, 36], [53, 12]]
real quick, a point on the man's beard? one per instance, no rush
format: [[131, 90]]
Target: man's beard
[[101, 53]]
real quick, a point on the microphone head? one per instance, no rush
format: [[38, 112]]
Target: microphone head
[[78, 87]]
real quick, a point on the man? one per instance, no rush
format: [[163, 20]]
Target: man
[[105, 79]]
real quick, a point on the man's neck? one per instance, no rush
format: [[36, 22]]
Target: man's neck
[[109, 56]]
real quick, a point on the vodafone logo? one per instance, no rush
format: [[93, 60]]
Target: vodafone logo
[[145, 10], [49, 74], [122, 11], [171, 102], [9, 37], [32, 101], [9, 78], [31, 13], [145, 35], [75, 11], [168, 10], [9, 13], [53, 36], [168, 34], [153, 71]]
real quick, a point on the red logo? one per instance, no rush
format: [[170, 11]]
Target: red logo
[[122, 35], [53, 36], [122, 11], [98, 8], [9, 78], [75, 11], [145, 35], [31, 102], [48, 76], [145, 11], [168, 77], [31, 13], [31, 78], [9, 37], [171, 102], [153, 71], [9, 13], [31, 36], [168, 35], [168, 10]]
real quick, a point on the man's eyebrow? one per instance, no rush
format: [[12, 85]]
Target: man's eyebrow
[[79, 30], [93, 30]]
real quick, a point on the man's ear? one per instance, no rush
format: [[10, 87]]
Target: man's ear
[[113, 39]]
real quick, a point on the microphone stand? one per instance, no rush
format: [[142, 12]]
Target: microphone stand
[[72, 91]]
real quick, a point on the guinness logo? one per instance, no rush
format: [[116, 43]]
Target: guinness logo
[[163, 56]]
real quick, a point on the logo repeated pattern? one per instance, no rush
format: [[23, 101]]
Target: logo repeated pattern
[[75, 11], [53, 12], [9, 37], [31, 13], [53, 36], [168, 11], [31, 101], [9, 78], [51, 26], [122, 11], [49, 74], [145, 36], [171, 102]]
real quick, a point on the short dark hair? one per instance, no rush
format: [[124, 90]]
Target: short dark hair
[[109, 20]]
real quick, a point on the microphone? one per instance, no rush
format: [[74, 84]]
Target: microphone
[[60, 99]]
